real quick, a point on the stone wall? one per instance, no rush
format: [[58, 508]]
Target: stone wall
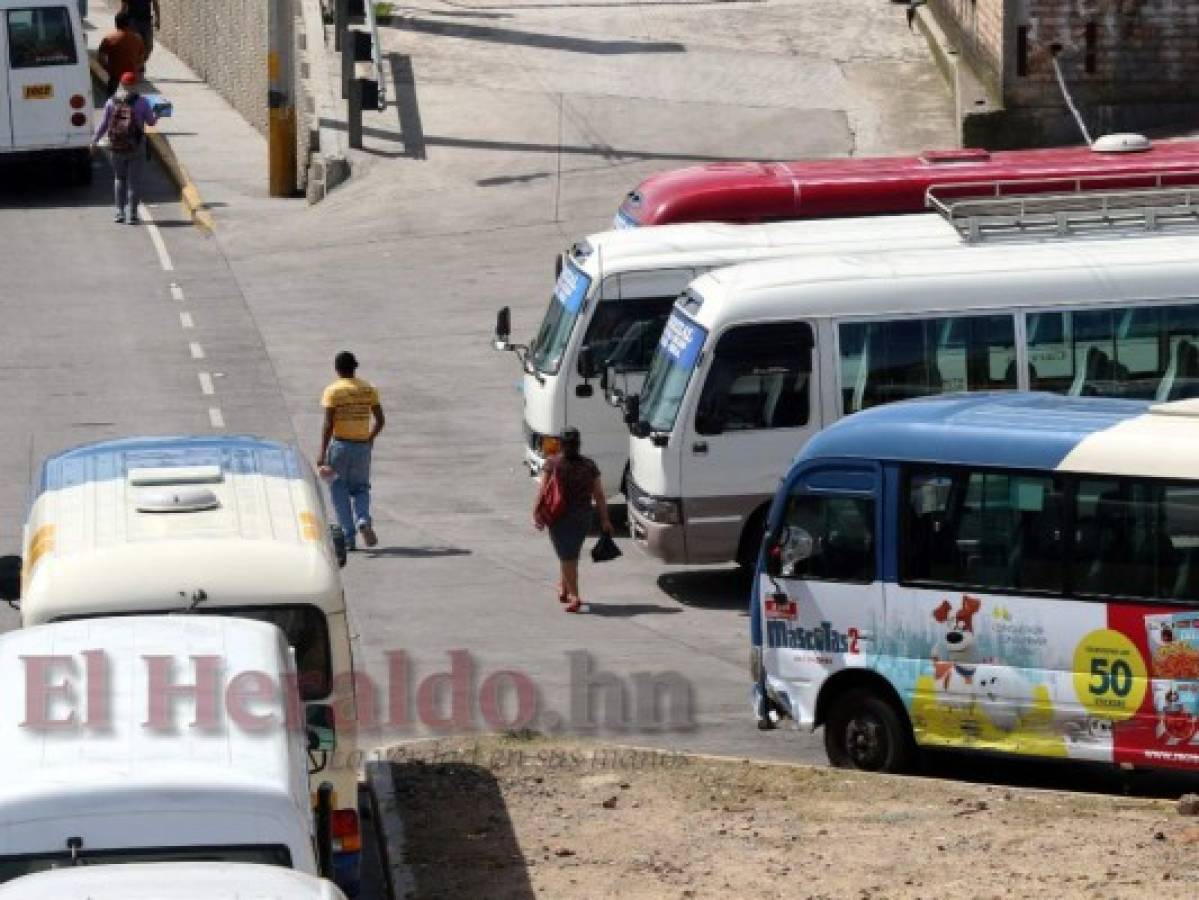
[[224, 42], [1129, 64]]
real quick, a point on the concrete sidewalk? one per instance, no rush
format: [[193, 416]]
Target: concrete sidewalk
[[221, 154]]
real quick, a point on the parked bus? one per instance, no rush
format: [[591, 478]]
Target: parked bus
[[45, 83], [761, 192], [227, 525], [614, 293], [756, 359], [1012, 573]]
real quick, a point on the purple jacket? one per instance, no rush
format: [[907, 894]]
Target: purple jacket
[[143, 114]]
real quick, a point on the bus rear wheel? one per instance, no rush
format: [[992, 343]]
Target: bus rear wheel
[[864, 731]]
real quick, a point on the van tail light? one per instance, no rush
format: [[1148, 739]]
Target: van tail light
[[78, 119], [78, 101], [347, 836]]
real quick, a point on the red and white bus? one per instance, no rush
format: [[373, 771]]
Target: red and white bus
[[760, 192]]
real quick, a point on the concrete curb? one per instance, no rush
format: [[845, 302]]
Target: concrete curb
[[160, 146], [389, 829], [970, 96], [329, 164]]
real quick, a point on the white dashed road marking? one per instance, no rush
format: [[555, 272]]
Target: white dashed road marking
[[160, 246], [216, 418], [197, 350], [206, 386], [176, 292], [185, 319]]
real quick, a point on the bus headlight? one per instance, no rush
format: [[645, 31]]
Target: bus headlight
[[661, 510]]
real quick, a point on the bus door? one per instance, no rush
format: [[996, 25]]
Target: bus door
[[623, 334], [760, 403], [821, 599]]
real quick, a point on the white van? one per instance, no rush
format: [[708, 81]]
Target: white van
[[614, 293], [179, 881], [758, 358], [45, 82], [107, 768], [221, 525]]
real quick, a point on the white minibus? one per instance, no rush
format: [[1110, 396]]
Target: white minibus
[[221, 525], [1014, 573], [122, 751], [613, 295], [45, 82], [179, 881], [757, 358]]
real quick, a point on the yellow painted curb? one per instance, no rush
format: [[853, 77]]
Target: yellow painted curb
[[189, 194]]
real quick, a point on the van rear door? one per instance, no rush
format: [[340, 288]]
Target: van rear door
[[43, 60]]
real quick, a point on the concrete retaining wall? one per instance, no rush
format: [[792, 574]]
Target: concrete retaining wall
[[224, 42]]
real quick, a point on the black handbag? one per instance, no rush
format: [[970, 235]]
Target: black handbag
[[605, 549]]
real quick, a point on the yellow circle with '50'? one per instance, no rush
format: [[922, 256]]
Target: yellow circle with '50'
[[1110, 677]]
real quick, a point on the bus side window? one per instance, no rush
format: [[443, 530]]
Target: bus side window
[[984, 529], [882, 362], [624, 333], [759, 379], [842, 531]]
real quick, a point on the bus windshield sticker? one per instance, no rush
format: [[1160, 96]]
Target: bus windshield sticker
[[681, 340], [571, 288]]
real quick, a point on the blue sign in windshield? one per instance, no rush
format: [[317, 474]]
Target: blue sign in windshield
[[682, 340], [571, 288]]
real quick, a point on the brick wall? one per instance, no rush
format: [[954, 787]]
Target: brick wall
[[224, 42], [976, 28], [1129, 63]]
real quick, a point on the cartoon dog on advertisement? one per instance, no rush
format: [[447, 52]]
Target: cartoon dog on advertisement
[[956, 654]]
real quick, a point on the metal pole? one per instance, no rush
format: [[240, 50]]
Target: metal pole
[[281, 98], [347, 62], [341, 21], [355, 125]]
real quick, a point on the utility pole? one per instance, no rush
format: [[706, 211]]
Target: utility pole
[[281, 97]]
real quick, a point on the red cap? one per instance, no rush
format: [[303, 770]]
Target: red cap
[[129, 79]]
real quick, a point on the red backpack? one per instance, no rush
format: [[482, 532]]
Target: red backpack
[[122, 129], [551, 502]]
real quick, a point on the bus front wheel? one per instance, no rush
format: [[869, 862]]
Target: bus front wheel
[[865, 731]]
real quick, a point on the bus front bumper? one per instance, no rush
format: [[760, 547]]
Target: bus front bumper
[[664, 540]]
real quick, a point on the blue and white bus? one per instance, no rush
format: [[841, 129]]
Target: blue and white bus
[[1016, 573]]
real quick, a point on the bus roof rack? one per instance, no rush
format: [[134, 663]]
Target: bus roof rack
[[1003, 212]]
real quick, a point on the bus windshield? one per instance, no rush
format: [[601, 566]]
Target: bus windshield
[[670, 372], [565, 307]]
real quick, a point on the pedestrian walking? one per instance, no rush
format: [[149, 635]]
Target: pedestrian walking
[[578, 482], [126, 115], [347, 438], [121, 50], [144, 16]]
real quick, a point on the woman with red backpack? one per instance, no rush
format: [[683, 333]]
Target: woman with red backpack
[[570, 482]]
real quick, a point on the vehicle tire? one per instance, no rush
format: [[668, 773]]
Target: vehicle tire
[[751, 541], [865, 731], [81, 167]]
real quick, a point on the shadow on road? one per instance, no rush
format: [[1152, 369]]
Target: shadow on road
[[459, 840], [45, 183], [708, 588], [1066, 775], [627, 610], [415, 552]]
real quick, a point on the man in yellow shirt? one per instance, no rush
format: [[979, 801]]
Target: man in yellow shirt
[[353, 419]]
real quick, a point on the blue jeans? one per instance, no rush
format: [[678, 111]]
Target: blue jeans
[[351, 489]]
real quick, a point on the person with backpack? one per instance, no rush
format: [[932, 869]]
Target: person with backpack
[[570, 483], [126, 115]]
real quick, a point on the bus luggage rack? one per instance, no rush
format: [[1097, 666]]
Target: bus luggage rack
[[1060, 215]]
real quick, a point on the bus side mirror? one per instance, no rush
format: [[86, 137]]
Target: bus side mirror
[[792, 546], [632, 409], [321, 728], [10, 578], [503, 328], [338, 536]]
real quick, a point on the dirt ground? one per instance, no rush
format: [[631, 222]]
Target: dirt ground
[[513, 818]]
